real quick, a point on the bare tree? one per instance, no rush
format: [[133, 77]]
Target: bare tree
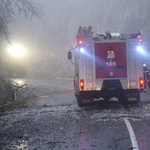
[[8, 10]]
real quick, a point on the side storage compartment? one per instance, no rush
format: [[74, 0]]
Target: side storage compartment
[[134, 65]]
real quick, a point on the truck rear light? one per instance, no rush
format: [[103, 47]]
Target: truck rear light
[[80, 42], [141, 82], [82, 84], [140, 40]]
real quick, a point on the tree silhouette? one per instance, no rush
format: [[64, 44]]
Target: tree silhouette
[[10, 8]]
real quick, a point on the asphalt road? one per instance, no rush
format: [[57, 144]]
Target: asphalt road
[[55, 122]]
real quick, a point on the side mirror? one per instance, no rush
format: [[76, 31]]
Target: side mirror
[[69, 55]]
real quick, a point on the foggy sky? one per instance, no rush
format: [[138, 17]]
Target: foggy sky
[[47, 41]]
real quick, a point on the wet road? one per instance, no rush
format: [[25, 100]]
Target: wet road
[[55, 122]]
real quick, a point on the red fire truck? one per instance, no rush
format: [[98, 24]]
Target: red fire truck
[[108, 65]]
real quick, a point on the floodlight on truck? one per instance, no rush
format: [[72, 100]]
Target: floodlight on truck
[[81, 49], [139, 48]]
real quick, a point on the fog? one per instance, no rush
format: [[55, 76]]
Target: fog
[[48, 40]]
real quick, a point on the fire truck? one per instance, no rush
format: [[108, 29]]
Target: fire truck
[[106, 66]]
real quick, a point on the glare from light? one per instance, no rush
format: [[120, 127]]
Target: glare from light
[[139, 48], [81, 49], [16, 51], [20, 82], [140, 40], [80, 42]]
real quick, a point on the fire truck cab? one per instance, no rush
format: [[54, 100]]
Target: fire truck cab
[[108, 65]]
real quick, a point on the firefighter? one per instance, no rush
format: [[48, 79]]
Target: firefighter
[[146, 73]]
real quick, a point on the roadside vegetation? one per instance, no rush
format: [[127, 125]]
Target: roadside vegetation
[[12, 95]]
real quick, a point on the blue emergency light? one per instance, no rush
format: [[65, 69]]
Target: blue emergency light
[[82, 49], [139, 48]]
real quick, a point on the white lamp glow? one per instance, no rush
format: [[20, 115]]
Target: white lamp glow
[[16, 50]]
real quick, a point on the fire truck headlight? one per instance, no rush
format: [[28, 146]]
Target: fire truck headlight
[[139, 48], [81, 49]]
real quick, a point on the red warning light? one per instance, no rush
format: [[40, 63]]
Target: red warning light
[[80, 42], [82, 84], [141, 81], [140, 40]]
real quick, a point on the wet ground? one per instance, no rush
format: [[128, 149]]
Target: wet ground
[[55, 122]]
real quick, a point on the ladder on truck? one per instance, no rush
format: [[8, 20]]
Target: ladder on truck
[[89, 68], [132, 66]]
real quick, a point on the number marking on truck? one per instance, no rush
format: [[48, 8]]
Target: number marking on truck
[[111, 63]]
